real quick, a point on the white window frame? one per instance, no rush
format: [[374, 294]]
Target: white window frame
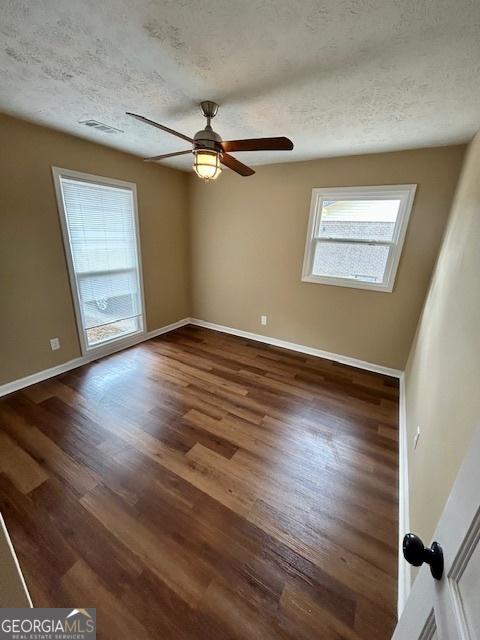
[[403, 192], [106, 346]]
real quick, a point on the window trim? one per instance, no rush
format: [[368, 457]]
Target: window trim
[[121, 342], [403, 192]]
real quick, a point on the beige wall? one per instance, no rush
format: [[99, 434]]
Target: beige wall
[[247, 244], [443, 372], [35, 302]]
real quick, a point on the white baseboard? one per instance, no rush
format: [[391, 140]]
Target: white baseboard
[[167, 328], [21, 383], [404, 569], [353, 362]]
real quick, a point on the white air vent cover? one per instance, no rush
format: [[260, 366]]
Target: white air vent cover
[[94, 124]]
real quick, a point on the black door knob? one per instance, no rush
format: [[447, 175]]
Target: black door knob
[[415, 552]]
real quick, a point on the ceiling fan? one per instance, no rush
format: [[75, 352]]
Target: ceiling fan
[[210, 151]]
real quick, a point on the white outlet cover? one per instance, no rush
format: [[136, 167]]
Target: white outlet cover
[[55, 344], [263, 320]]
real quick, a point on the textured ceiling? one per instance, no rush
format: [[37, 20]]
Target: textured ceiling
[[336, 76]]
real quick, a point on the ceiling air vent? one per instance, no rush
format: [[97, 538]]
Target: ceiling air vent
[[99, 126]]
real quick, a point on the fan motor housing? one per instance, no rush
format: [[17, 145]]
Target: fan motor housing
[[207, 139]]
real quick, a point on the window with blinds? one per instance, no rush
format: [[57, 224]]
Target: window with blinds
[[355, 235], [101, 241]]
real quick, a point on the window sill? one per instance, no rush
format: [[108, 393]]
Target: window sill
[[113, 344], [347, 282]]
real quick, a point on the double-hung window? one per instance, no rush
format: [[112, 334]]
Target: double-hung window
[[355, 235], [100, 229]]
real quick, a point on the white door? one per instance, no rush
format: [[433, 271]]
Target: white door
[[449, 609]]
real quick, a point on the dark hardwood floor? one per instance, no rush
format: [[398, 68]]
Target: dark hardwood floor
[[201, 485]]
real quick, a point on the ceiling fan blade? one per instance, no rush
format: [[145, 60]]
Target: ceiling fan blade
[[166, 155], [258, 144], [160, 126], [233, 164]]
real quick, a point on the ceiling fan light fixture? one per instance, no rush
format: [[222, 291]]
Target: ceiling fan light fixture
[[206, 164], [210, 151]]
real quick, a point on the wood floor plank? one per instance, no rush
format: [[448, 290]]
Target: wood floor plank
[[80, 529], [201, 485], [80, 583], [160, 552], [13, 459], [43, 449]]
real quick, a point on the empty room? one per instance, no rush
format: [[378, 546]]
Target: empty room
[[240, 311]]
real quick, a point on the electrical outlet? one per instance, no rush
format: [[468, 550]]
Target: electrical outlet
[[263, 320], [415, 439], [55, 344]]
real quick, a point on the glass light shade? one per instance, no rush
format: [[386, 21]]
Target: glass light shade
[[207, 164]]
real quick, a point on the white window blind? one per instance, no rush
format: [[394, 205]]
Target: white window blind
[[100, 226], [356, 234]]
